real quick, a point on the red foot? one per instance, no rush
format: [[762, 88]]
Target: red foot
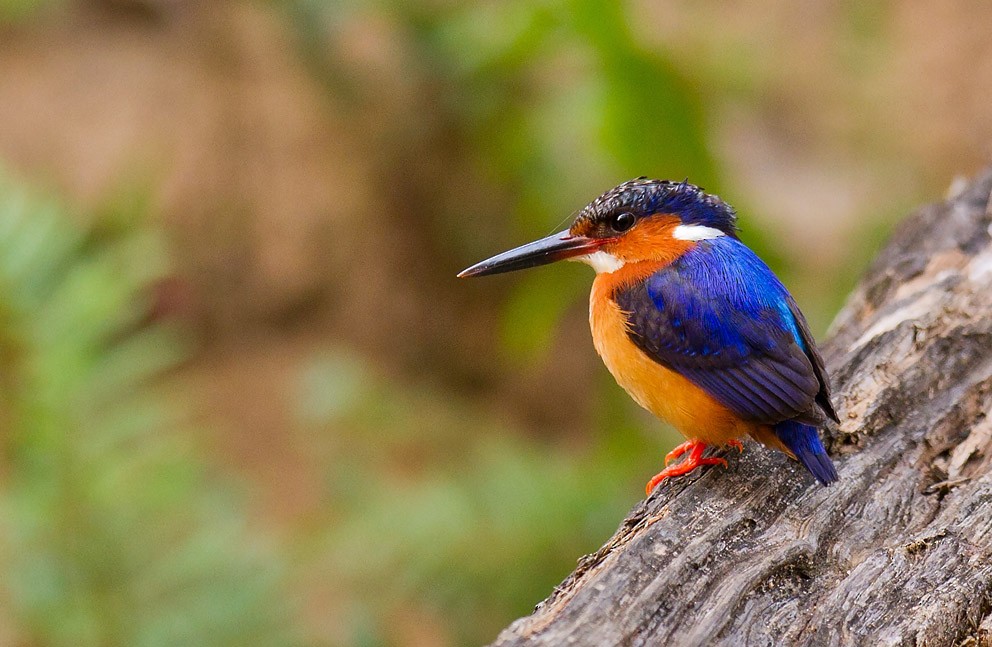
[[695, 449], [736, 444]]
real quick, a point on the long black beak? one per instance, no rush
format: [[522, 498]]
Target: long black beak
[[555, 247]]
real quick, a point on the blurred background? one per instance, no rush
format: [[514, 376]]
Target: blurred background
[[244, 400]]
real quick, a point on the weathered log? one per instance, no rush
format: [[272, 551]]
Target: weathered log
[[899, 552]]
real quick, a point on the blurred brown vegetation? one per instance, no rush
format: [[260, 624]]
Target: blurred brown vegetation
[[426, 456]]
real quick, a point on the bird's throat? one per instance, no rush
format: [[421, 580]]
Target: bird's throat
[[607, 284], [602, 262]]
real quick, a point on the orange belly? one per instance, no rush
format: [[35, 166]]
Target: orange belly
[[666, 394]]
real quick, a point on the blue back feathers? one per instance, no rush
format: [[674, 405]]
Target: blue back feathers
[[743, 284], [719, 317]]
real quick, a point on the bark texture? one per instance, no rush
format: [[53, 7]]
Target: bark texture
[[899, 552]]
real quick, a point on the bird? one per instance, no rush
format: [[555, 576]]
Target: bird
[[693, 325]]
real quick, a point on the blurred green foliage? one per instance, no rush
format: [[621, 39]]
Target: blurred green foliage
[[112, 528], [112, 532], [439, 506], [555, 99]]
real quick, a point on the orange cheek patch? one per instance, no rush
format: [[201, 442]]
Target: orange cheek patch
[[644, 250], [651, 239]]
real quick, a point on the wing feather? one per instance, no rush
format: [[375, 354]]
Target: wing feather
[[720, 317]]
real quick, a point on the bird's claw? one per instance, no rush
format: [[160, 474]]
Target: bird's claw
[[695, 459], [678, 451]]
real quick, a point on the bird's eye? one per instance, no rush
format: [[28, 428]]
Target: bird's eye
[[623, 221]]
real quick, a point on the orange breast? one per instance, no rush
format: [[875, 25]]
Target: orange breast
[[663, 392]]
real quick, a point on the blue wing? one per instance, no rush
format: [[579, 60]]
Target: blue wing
[[720, 317]]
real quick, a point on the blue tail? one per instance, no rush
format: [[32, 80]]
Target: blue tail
[[805, 443]]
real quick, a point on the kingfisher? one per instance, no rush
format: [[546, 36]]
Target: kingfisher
[[692, 324]]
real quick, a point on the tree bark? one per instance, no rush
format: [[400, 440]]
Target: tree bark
[[899, 552]]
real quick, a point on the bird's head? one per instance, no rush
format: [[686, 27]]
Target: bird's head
[[639, 220]]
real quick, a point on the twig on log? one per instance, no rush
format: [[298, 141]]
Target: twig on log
[[899, 552]]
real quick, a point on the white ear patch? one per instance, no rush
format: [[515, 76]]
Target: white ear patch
[[601, 261], [696, 232]]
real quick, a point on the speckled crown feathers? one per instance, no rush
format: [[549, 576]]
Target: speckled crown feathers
[[645, 197]]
